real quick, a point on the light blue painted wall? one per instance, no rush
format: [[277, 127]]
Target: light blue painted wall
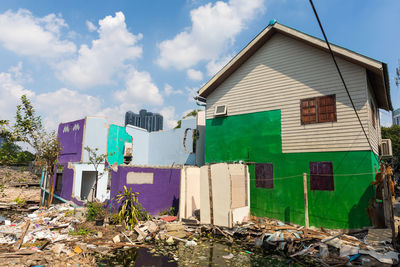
[[162, 147], [166, 147], [95, 136], [140, 142]]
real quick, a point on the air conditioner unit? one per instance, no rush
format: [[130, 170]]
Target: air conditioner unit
[[220, 110], [128, 149], [386, 148]]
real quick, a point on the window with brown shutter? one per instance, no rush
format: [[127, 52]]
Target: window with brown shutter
[[373, 114], [321, 176], [264, 175], [318, 109]]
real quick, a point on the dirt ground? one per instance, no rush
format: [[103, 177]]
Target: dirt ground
[[9, 194], [14, 184]]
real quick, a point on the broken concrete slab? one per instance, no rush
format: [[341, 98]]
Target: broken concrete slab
[[174, 227], [347, 250], [116, 239]]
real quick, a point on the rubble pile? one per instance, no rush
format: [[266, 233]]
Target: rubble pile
[[60, 235]]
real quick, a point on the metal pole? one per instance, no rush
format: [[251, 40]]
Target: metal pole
[[307, 223]]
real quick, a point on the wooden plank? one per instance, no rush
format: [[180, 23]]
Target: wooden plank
[[21, 239], [307, 223]]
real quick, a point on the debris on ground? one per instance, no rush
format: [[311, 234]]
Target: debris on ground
[[61, 235]]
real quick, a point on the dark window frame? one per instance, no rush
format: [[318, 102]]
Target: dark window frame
[[322, 176], [266, 170], [318, 107], [58, 183]]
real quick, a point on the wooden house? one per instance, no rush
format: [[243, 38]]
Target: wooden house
[[280, 106]]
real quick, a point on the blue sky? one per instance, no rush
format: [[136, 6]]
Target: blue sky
[[102, 58]]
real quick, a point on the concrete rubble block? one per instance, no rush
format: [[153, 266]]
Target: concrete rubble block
[[179, 234], [323, 251], [141, 233], [174, 227], [152, 227], [336, 242], [99, 234], [347, 250], [116, 239]]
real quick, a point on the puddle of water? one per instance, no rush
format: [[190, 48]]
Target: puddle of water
[[206, 253]]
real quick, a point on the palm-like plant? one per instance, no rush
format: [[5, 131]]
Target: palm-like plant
[[130, 212]]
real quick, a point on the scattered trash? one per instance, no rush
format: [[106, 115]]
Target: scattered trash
[[228, 257]]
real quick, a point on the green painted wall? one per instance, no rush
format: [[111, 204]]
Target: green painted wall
[[117, 137], [256, 137]]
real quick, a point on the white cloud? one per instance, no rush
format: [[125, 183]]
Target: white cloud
[[96, 65], [169, 117], [191, 93], [169, 90], [139, 89], [10, 93], [194, 75], [27, 35], [90, 26], [215, 66], [214, 28], [66, 105]]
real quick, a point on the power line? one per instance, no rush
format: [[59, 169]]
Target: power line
[[340, 73]]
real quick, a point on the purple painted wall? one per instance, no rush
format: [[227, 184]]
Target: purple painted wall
[[67, 185], [70, 135], [156, 197]]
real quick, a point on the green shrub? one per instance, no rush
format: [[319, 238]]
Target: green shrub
[[20, 201], [95, 211], [82, 231]]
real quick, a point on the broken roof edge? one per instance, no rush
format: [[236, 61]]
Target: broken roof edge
[[375, 66], [387, 86]]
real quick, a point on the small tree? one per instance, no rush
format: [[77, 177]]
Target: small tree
[[12, 154], [28, 128], [393, 133], [95, 160]]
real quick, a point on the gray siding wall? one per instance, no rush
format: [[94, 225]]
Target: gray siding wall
[[283, 72], [373, 132]]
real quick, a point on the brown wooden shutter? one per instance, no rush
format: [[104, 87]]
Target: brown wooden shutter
[[308, 111], [264, 175], [321, 176], [327, 108]]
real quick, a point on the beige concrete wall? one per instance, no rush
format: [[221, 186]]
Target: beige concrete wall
[[230, 194], [190, 192], [204, 195], [283, 72]]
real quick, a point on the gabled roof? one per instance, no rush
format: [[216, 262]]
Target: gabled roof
[[376, 70]]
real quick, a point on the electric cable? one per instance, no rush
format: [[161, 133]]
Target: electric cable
[[340, 73]]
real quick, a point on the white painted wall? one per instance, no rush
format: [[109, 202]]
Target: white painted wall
[[102, 193], [95, 136], [140, 141]]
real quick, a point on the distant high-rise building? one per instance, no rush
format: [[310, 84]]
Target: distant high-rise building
[[146, 120], [396, 116]]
